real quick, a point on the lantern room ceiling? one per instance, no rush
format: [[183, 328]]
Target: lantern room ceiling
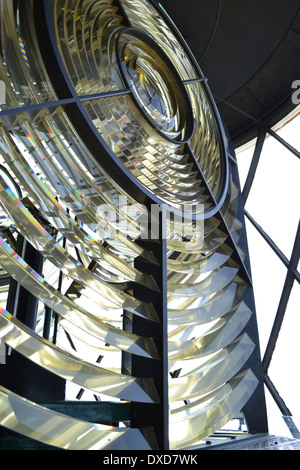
[[250, 53]]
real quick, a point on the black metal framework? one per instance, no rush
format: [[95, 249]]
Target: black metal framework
[[152, 415]]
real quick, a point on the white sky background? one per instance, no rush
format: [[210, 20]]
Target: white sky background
[[273, 202]]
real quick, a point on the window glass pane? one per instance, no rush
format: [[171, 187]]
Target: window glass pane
[[290, 132], [276, 423], [274, 197], [268, 274], [24, 80], [283, 372], [244, 156]]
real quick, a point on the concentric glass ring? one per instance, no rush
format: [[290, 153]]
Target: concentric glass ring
[[155, 84], [158, 120], [78, 77]]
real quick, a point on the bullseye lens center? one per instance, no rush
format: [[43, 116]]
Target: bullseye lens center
[[155, 85]]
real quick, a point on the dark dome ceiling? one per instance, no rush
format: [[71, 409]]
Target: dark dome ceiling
[[250, 52]]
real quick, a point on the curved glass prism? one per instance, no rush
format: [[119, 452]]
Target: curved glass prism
[[40, 423], [105, 131]]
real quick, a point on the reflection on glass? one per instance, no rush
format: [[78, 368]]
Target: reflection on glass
[[144, 16], [146, 127], [22, 69], [220, 335], [86, 375], [169, 175], [134, 80], [206, 143], [86, 33], [41, 240], [61, 304], [25, 417], [199, 417], [213, 373]]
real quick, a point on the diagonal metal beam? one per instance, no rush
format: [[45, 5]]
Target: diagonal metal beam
[[274, 247], [255, 159], [289, 281], [262, 125], [276, 396], [283, 142], [286, 414]]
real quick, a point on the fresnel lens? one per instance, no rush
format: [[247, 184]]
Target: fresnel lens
[[107, 115]]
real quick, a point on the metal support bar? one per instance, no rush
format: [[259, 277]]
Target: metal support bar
[[59, 288], [277, 398], [255, 159], [283, 142], [282, 303], [257, 121], [274, 247], [155, 415], [292, 426], [47, 323], [65, 101], [262, 125], [14, 286], [195, 80], [26, 306]]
